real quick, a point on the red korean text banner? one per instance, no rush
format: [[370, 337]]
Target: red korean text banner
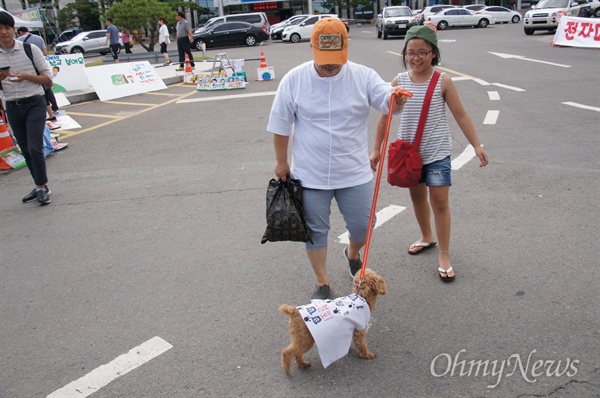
[[578, 32]]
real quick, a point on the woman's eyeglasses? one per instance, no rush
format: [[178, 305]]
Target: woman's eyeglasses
[[420, 54]]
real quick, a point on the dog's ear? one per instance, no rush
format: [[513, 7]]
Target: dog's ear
[[381, 286]]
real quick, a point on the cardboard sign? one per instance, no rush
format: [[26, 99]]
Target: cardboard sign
[[221, 83], [68, 71], [124, 79]]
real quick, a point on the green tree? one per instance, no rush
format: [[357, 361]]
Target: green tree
[[83, 13], [139, 15], [182, 5]]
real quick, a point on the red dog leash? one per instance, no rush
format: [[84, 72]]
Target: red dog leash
[[393, 97]]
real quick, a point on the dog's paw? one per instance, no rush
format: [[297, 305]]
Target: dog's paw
[[303, 364], [368, 355]]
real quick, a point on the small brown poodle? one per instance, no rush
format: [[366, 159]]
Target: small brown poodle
[[302, 340]]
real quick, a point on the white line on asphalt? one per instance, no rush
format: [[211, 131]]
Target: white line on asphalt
[[576, 105], [508, 87], [463, 158], [383, 215], [459, 78], [119, 366], [482, 82], [226, 97], [523, 58], [494, 96], [491, 117]]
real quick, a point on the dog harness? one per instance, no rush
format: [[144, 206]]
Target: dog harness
[[332, 324]]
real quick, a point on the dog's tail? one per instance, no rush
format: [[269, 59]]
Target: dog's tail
[[287, 310]]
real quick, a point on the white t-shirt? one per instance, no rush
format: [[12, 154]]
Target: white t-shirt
[[163, 34], [328, 117], [332, 324]]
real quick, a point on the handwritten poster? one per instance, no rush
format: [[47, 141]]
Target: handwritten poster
[[124, 79], [68, 71]]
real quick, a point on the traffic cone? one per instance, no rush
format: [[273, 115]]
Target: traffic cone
[[6, 142], [263, 61], [188, 64]]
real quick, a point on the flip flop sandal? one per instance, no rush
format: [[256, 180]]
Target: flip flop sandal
[[425, 246], [446, 278]]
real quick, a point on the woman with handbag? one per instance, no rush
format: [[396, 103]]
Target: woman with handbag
[[421, 54]]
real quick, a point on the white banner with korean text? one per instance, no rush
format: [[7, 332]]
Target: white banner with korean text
[[68, 72], [578, 32], [124, 79]]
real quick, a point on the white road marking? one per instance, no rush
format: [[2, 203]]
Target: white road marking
[[463, 158], [459, 78], [383, 215], [508, 87], [494, 96], [491, 117], [119, 366], [447, 41], [226, 97], [576, 105], [523, 58], [482, 82]]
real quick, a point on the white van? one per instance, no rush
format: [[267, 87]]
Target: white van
[[255, 18]]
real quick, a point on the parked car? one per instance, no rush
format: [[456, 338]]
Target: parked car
[[430, 10], [594, 8], [394, 21], [501, 14], [255, 18], [459, 17], [545, 14], [67, 34], [85, 42], [302, 31], [475, 7], [230, 34], [277, 29]]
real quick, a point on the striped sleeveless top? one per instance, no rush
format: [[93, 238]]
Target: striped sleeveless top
[[436, 143]]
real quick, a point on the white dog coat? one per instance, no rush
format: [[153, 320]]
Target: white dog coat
[[332, 324]]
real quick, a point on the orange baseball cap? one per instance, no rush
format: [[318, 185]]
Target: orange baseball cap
[[329, 42]]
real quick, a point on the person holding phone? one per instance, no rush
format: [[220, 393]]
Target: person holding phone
[[25, 107]]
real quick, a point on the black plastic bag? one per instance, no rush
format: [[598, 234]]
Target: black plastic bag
[[285, 216]]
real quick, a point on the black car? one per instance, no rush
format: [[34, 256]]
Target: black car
[[230, 34]]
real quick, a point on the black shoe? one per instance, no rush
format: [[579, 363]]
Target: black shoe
[[320, 293], [43, 196], [353, 265], [51, 119], [30, 196]]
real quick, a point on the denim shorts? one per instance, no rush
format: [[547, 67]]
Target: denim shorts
[[437, 174]]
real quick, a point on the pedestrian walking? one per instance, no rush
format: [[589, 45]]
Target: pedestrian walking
[[184, 40], [326, 103], [126, 39], [112, 39], [22, 87], [421, 54], [52, 106], [164, 39]]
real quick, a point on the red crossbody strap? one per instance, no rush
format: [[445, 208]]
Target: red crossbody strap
[[425, 110]]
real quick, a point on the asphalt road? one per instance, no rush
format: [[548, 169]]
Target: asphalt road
[[158, 210]]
